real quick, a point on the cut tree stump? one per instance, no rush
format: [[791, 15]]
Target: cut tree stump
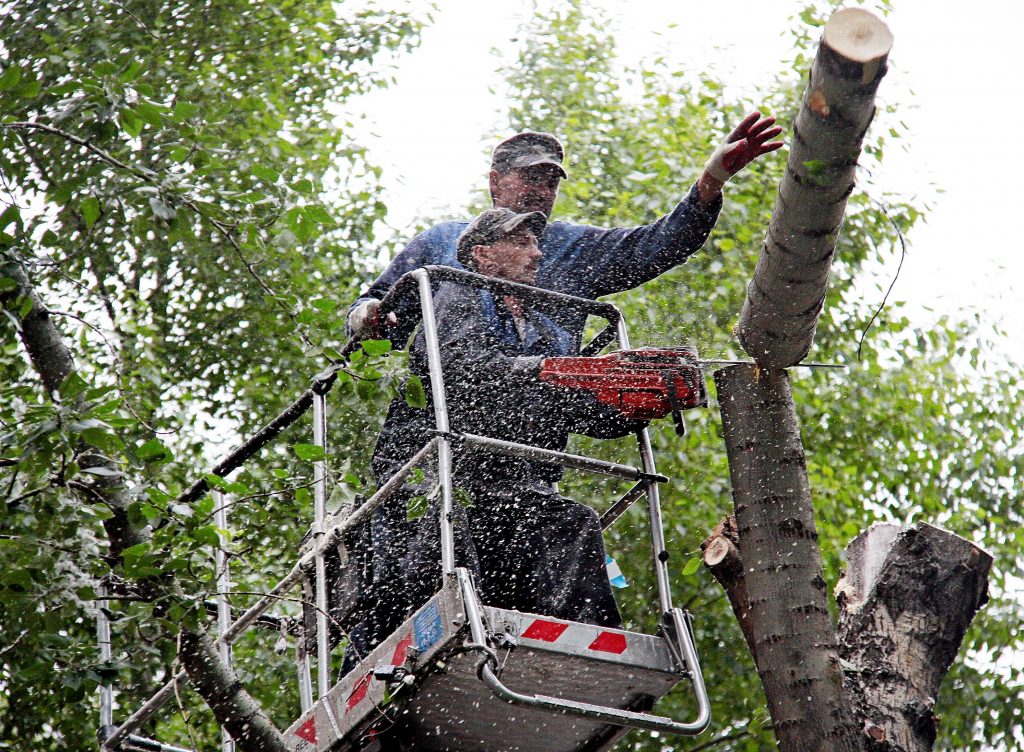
[[906, 602]]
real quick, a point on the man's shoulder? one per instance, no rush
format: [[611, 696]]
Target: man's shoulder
[[563, 240], [448, 230], [562, 230]]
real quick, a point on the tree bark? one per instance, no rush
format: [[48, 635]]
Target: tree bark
[[786, 295], [906, 602], [233, 707], [793, 638], [42, 340]]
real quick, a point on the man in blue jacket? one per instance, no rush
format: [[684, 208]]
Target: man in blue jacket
[[530, 548], [589, 262]]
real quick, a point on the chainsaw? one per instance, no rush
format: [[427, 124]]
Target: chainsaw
[[643, 384]]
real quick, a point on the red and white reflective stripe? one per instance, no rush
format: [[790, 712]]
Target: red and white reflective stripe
[[401, 651], [545, 631], [307, 731], [359, 692], [606, 641]]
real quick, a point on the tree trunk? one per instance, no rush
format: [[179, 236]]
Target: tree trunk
[[907, 599], [785, 297], [233, 707], [794, 642], [42, 340]]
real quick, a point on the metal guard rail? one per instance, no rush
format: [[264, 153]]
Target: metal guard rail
[[547, 301], [683, 648]]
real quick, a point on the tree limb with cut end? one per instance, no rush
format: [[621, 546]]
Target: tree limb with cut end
[[793, 639], [722, 556], [785, 297]]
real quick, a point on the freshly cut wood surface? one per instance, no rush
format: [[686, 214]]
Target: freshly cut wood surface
[[857, 35]]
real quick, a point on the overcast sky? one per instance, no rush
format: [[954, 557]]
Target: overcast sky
[[950, 72]]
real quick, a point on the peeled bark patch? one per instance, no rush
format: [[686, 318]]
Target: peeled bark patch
[[785, 297]]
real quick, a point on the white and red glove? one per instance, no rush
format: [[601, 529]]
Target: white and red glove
[[745, 144], [363, 321]]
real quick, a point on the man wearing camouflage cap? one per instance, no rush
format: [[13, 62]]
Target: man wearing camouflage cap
[[530, 549], [589, 262]]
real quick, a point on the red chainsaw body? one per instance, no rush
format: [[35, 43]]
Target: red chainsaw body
[[642, 384]]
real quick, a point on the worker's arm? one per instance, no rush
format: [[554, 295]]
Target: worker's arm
[[434, 246], [621, 259], [501, 390], [611, 260]]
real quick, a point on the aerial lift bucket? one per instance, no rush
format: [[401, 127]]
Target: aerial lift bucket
[[459, 675]]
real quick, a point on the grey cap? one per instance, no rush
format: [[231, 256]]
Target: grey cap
[[492, 226], [527, 149]]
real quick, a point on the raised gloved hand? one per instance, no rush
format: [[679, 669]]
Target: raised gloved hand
[[364, 321], [751, 138]]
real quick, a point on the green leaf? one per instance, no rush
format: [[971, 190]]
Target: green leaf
[[130, 123], [131, 72], [179, 154], [101, 439], [206, 535], [318, 214], [215, 481], [184, 110], [28, 89], [376, 346], [324, 305], [265, 173], [153, 451], [10, 77], [463, 498], [305, 185], [415, 395], [158, 496], [204, 507], [308, 452], [150, 113], [90, 208], [72, 386], [11, 215], [692, 566], [415, 508]]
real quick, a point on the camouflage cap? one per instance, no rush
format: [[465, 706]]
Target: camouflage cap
[[527, 149], [492, 226]]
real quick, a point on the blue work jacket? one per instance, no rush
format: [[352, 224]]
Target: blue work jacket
[[580, 260]]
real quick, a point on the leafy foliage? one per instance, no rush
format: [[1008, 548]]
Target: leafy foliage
[[193, 215]]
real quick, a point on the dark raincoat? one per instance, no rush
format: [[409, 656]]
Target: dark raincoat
[[530, 548]]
